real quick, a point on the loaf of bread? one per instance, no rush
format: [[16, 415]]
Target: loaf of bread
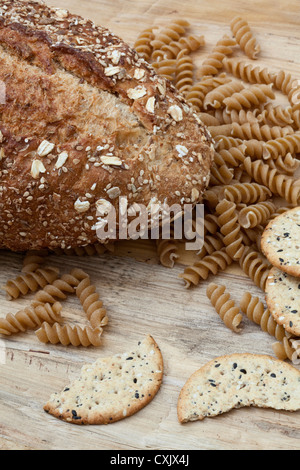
[[85, 119]]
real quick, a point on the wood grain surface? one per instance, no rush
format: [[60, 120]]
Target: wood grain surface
[[142, 297]]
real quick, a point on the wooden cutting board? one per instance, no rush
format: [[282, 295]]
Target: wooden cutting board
[[144, 297]]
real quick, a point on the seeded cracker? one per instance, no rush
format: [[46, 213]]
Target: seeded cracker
[[239, 380], [280, 242], [283, 299], [112, 388]]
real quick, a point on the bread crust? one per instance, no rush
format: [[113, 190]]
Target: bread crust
[[75, 95]]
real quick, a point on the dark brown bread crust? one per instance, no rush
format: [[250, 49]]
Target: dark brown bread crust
[[85, 119]]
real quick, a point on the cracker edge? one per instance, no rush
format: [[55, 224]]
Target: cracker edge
[[184, 394], [101, 419]]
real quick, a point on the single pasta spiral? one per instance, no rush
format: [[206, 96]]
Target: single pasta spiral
[[67, 334], [228, 220], [214, 62], [244, 37], [241, 116], [285, 83], [256, 312], [91, 303], [220, 174], [249, 97], [285, 164], [30, 282], [211, 244], [169, 33], [226, 142], [58, 289], [254, 266], [281, 146], [210, 264], [256, 214], [143, 43], [225, 306], [247, 72], [167, 251], [232, 157], [184, 72], [30, 318], [249, 131], [281, 185], [275, 115], [216, 97], [287, 348], [248, 193], [208, 119]]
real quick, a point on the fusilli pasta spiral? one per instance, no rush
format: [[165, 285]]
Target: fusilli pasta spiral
[[232, 157], [171, 32], [58, 289], [256, 312], [225, 306], [247, 72], [249, 97], [248, 193], [184, 72], [256, 214], [275, 115], [230, 228], [255, 131], [29, 318], [285, 350], [91, 303], [281, 146], [254, 266], [220, 174], [241, 116], [167, 251], [30, 282], [285, 164], [285, 83], [214, 62], [216, 97], [281, 185], [212, 243], [67, 334], [210, 264], [244, 37], [143, 43]]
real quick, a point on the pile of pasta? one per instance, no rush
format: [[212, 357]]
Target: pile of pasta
[[45, 311], [253, 115]]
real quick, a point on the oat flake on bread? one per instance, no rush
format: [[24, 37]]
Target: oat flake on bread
[[85, 119]]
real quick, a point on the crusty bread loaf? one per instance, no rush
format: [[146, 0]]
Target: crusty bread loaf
[[85, 119]]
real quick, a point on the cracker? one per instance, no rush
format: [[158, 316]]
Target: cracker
[[280, 241], [112, 388], [239, 380], [283, 299]]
